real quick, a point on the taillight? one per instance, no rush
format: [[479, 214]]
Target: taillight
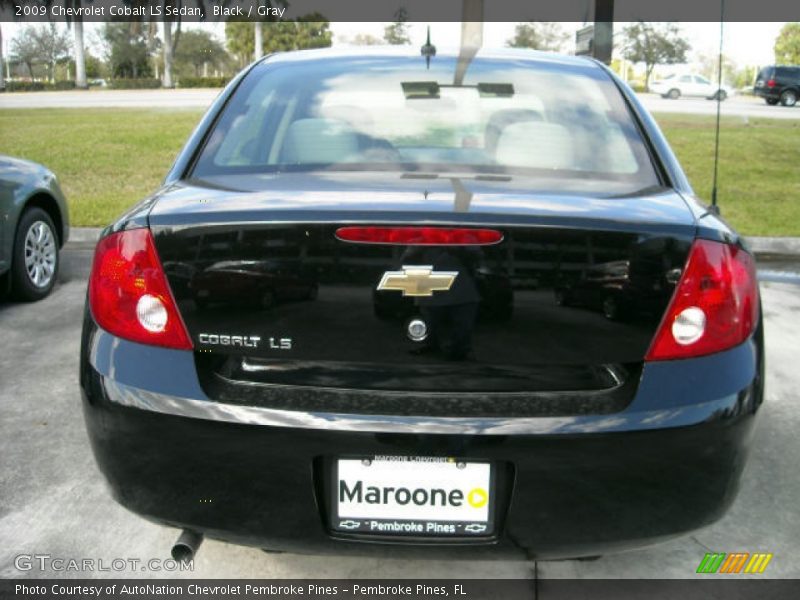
[[129, 295], [770, 83], [714, 307], [420, 236]]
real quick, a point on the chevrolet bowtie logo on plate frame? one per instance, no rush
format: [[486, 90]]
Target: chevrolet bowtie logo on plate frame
[[418, 281]]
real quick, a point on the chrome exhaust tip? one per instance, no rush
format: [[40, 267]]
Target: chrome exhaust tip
[[187, 545]]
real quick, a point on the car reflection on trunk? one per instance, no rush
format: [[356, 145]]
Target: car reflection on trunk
[[622, 289], [252, 283]]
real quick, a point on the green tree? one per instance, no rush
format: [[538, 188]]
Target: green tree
[[709, 67], [95, 68], [744, 77], [128, 50], [54, 46], [787, 45], [198, 48], [25, 50], [654, 44], [396, 34], [365, 39], [239, 40], [538, 35], [47, 45], [310, 31], [627, 74], [58, 42]]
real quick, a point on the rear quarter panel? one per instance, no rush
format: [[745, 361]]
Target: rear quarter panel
[[19, 182]]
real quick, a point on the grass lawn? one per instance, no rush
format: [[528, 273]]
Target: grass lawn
[[759, 168], [107, 159]]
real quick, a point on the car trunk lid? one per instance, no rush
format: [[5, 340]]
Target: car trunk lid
[[568, 301]]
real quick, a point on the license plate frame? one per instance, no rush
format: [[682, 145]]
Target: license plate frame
[[471, 519]]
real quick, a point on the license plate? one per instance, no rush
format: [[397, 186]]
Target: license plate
[[413, 496]]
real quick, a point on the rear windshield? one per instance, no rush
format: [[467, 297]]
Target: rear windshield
[[508, 117]]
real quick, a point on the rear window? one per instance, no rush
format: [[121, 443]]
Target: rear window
[[508, 117], [765, 73]]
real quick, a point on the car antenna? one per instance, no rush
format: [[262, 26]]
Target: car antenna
[[714, 205], [428, 50]]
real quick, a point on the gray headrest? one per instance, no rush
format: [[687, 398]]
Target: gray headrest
[[536, 145], [314, 141]]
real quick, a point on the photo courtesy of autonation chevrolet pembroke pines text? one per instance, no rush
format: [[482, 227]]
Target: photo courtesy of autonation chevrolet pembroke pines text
[[377, 299]]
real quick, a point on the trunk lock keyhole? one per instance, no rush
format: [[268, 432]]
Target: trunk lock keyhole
[[417, 330]]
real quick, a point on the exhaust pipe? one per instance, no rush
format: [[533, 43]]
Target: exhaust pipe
[[187, 545]]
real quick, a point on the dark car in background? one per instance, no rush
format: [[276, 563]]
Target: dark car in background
[[259, 283], [428, 194], [605, 287], [622, 289], [778, 83], [34, 225]]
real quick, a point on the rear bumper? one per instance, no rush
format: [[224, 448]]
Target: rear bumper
[[772, 93], [572, 486]]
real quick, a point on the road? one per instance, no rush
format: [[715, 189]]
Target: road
[[54, 502], [189, 98], [739, 106]]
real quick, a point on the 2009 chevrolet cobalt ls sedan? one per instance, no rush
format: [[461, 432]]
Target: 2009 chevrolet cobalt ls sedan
[[471, 309]]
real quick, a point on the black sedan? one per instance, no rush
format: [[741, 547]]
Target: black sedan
[[387, 183], [34, 224]]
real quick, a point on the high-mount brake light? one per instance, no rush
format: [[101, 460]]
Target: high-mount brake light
[[129, 295], [714, 307], [420, 236]]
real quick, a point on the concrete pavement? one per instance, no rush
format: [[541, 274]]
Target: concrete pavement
[[54, 502], [188, 98], [736, 106], [739, 106]]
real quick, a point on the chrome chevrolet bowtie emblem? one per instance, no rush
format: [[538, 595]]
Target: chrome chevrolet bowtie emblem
[[417, 280]]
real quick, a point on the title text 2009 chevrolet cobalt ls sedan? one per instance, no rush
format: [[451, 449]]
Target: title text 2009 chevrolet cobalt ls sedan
[[472, 309]]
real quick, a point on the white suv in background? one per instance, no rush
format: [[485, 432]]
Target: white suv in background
[[689, 84]]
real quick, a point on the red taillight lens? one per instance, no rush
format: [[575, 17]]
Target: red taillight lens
[[129, 295], [715, 305], [420, 236], [771, 83]]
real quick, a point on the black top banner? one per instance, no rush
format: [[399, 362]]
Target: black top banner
[[386, 10]]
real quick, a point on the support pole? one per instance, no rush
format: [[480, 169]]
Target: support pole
[[603, 30]]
